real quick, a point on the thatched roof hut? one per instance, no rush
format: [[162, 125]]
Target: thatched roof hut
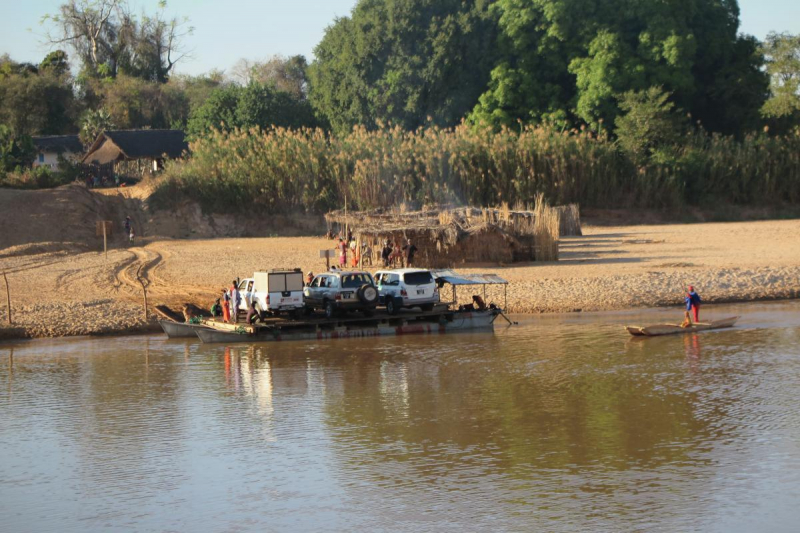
[[445, 246], [448, 236]]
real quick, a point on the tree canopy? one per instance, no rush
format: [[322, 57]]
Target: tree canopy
[[782, 53], [406, 61], [35, 101], [416, 63], [256, 105], [572, 59], [110, 39]]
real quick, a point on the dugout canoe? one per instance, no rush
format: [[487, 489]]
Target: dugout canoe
[[179, 330], [673, 329], [378, 326]]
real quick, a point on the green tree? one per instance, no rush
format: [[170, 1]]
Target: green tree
[[198, 88], [218, 112], [56, 63], [264, 105], [405, 61], [9, 67], [572, 59], [137, 103], [782, 52], [34, 104], [648, 123], [93, 124], [16, 151], [258, 104]]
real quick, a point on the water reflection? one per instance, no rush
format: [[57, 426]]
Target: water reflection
[[560, 424]]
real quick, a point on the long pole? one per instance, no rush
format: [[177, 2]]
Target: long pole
[[144, 290], [105, 241], [8, 298]]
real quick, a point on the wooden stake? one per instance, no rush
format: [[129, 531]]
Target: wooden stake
[[8, 298], [105, 241], [144, 289]]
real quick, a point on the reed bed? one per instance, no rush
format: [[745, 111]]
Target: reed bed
[[283, 170], [546, 230]]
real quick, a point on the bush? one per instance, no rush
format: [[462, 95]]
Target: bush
[[39, 178]]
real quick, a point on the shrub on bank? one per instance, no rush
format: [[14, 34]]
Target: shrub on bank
[[282, 170]]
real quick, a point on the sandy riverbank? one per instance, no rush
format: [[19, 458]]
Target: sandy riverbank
[[65, 290]]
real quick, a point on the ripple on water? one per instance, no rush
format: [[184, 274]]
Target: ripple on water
[[560, 424]]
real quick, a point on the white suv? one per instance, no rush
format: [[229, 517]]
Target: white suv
[[276, 291], [407, 287]]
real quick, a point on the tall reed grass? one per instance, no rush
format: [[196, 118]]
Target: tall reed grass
[[283, 170]]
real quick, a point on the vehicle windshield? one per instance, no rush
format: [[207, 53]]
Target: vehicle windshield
[[418, 278], [354, 281]]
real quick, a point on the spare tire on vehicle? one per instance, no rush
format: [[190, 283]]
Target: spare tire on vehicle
[[368, 294]]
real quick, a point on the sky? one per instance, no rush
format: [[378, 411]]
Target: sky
[[227, 30]]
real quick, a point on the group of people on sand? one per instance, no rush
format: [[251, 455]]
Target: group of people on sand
[[348, 247], [95, 181], [392, 254]]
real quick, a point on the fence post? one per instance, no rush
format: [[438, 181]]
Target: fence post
[[144, 289], [8, 298]]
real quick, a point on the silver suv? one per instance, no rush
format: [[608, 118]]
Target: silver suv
[[407, 287], [342, 291]]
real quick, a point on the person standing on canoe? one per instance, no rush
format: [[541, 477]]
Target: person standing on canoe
[[693, 303], [236, 300], [226, 306]]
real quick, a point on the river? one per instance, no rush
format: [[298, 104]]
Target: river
[[561, 423]]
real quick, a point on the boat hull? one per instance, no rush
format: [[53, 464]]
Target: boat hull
[[179, 330], [674, 329], [455, 323]]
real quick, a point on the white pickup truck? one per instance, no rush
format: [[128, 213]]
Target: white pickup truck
[[276, 291]]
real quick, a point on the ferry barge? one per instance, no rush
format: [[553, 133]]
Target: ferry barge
[[443, 318], [381, 324]]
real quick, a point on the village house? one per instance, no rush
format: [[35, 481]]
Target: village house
[[135, 151], [50, 147]]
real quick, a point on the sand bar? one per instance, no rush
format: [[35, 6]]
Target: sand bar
[[60, 290]]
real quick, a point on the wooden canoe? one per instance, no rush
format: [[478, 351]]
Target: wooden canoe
[[179, 330], [672, 329]]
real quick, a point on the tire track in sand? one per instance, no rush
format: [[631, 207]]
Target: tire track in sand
[[147, 262]]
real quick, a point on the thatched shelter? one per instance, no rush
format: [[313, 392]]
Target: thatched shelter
[[445, 246], [448, 236], [516, 222]]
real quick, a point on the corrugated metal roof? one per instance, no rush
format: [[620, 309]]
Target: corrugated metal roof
[[454, 278]]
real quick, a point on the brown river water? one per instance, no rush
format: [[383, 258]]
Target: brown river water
[[562, 423]]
